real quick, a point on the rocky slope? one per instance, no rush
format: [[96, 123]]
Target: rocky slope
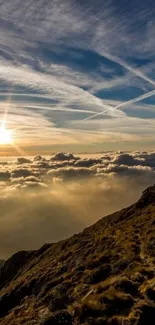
[[104, 275]]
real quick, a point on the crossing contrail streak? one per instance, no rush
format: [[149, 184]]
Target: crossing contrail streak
[[131, 101], [138, 73], [88, 118]]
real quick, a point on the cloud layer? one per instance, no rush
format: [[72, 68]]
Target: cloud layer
[[45, 199]]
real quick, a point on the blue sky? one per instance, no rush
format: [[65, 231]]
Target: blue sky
[[78, 75]]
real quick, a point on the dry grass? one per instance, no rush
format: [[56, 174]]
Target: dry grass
[[104, 275]]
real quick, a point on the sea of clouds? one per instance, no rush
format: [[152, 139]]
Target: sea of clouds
[[46, 199]]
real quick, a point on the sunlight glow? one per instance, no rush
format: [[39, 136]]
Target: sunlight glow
[[5, 135]]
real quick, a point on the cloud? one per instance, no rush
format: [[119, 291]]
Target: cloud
[[64, 63], [88, 162], [38, 158], [22, 160], [135, 71], [22, 172], [71, 172], [60, 156], [127, 159], [127, 103], [4, 175], [46, 203], [22, 179]]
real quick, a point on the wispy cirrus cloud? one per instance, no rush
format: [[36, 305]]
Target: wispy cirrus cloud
[[71, 61]]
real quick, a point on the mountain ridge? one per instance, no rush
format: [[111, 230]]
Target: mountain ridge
[[104, 275]]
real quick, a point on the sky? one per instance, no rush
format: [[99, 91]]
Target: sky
[[77, 76]]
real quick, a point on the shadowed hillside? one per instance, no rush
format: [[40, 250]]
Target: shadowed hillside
[[1, 263], [102, 276]]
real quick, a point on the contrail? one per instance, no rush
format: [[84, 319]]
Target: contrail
[[137, 99], [125, 65], [138, 73], [131, 101], [88, 118]]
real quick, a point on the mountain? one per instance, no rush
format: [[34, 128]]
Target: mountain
[[102, 276], [1, 263]]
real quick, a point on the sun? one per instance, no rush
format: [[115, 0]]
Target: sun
[[5, 135]]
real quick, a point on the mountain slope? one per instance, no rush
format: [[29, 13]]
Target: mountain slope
[[1, 263], [104, 275]]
